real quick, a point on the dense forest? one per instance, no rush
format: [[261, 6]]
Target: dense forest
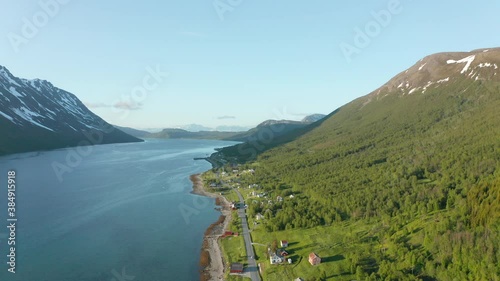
[[423, 169]]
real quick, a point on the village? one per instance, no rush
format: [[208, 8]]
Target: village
[[276, 253]]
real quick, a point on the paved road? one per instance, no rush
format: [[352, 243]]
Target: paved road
[[253, 270]]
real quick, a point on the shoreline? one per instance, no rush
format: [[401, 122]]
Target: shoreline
[[211, 259]]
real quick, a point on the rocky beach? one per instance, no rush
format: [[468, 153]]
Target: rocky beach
[[211, 259]]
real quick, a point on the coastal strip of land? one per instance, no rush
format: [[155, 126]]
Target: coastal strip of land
[[211, 259]]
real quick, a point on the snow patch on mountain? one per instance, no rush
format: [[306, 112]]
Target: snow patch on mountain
[[14, 92], [486, 64], [28, 115], [4, 73], [468, 61], [413, 90], [7, 116]]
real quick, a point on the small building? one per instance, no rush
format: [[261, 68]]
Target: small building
[[236, 268], [279, 199], [282, 253], [259, 216], [284, 243], [276, 259], [299, 279], [290, 261], [292, 196], [314, 259], [236, 205], [230, 233]]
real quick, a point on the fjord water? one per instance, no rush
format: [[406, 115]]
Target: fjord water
[[123, 213]]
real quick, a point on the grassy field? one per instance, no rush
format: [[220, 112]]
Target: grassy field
[[234, 251], [338, 246], [332, 244]]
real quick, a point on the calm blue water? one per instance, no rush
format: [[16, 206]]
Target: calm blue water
[[123, 214]]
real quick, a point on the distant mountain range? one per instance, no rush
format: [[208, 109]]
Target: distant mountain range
[[222, 128], [36, 115], [134, 132], [183, 134], [269, 127]]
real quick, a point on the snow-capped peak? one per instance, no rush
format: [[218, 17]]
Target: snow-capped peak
[[436, 70], [46, 117]]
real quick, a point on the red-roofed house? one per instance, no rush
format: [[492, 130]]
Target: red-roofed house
[[236, 268], [314, 259]]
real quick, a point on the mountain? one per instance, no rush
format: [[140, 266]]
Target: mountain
[[183, 134], [196, 128], [269, 128], [273, 129], [444, 68], [133, 132], [414, 166], [313, 118], [227, 128], [36, 115]]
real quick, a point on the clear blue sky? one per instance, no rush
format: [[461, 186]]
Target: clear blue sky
[[264, 60]]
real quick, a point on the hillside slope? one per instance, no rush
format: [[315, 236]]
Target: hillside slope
[[133, 132], [417, 161]]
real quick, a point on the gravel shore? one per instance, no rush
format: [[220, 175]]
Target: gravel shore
[[211, 260]]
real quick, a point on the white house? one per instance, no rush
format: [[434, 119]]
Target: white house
[[275, 259]]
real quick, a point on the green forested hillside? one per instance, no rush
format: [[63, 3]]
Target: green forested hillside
[[421, 170]]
